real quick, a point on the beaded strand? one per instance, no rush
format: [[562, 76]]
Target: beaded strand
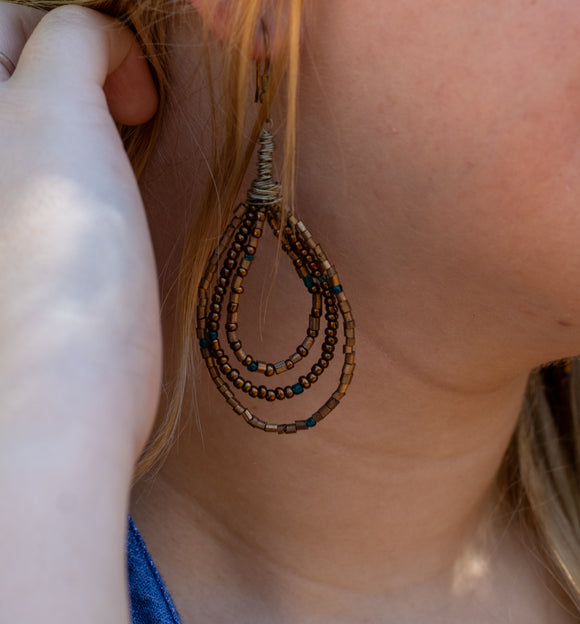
[[228, 268]]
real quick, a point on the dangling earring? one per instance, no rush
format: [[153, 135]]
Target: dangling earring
[[228, 267]]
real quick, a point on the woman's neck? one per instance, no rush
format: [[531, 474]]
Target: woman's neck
[[391, 493]]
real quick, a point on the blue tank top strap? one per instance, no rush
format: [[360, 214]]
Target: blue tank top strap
[[150, 600]]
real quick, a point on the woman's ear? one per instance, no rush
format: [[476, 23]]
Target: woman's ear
[[219, 17]]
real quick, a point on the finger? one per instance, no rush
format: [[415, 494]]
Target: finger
[[16, 26], [74, 48], [131, 95]]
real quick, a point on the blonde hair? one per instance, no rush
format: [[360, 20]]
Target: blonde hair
[[541, 469]]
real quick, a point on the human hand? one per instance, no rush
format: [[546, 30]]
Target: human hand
[[80, 342], [79, 322]]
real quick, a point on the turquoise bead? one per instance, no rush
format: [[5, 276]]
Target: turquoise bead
[[337, 289], [253, 367], [308, 281], [297, 388], [248, 257], [204, 343], [311, 422]]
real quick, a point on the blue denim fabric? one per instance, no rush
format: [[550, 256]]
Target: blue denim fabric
[[150, 600]]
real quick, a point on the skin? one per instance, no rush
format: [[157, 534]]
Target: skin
[[80, 366], [437, 167]]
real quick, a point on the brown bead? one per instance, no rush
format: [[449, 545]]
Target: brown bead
[[313, 333], [330, 317], [239, 382], [289, 364], [327, 348], [289, 393], [242, 272], [217, 299], [247, 360], [247, 386], [253, 391], [232, 255], [223, 282], [233, 374], [237, 247], [250, 250], [212, 326], [238, 289], [315, 313], [304, 382], [270, 370], [323, 361], [226, 369], [222, 360], [317, 369], [229, 264], [280, 393], [240, 238], [232, 308], [220, 290], [312, 377], [330, 332], [270, 395], [214, 316], [301, 351], [231, 327], [262, 392], [235, 346]]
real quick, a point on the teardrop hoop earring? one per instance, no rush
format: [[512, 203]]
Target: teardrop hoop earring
[[225, 273]]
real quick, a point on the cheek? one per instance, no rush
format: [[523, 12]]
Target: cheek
[[483, 129]]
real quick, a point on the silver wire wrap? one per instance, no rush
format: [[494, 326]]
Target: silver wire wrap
[[265, 191]]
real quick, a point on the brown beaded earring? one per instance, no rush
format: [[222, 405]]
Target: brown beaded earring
[[226, 271]]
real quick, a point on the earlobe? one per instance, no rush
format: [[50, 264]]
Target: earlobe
[[214, 16], [220, 17]]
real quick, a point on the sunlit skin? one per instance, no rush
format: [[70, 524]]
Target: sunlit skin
[[438, 165]]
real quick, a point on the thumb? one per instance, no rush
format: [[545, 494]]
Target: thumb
[[73, 49]]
